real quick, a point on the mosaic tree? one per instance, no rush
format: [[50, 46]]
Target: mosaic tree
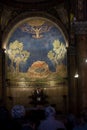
[[17, 54], [57, 54]]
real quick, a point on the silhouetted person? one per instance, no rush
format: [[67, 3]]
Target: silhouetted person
[[50, 123]]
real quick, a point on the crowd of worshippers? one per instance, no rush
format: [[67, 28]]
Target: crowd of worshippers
[[40, 119]]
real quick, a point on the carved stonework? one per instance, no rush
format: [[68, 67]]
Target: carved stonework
[[8, 14], [80, 27], [62, 12], [80, 9]]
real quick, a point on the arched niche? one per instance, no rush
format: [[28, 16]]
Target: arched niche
[[36, 56]]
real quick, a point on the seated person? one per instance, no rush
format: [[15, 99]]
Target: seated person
[[50, 123]]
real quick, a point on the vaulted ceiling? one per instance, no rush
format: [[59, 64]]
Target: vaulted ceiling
[[34, 4]]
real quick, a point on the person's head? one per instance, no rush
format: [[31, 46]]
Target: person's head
[[50, 111], [18, 111]]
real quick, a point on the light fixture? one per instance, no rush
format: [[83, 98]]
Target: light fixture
[[76, 75], [86, 60], [4, 50]]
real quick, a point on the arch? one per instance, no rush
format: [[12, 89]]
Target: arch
[[32, 75], [23, 17]]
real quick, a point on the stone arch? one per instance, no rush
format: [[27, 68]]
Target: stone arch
[[6, 36], [23, 16]]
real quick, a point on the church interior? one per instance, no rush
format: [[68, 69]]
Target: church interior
[[43, 53]]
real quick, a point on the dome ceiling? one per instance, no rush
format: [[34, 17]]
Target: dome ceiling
[[32, 3]]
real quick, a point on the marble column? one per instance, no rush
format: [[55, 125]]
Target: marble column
[[81, 45], [71, 79]]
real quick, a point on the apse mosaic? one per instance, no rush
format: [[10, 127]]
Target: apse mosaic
[[36, 54]]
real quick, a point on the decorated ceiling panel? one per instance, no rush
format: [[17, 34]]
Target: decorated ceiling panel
[[36, 54]]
